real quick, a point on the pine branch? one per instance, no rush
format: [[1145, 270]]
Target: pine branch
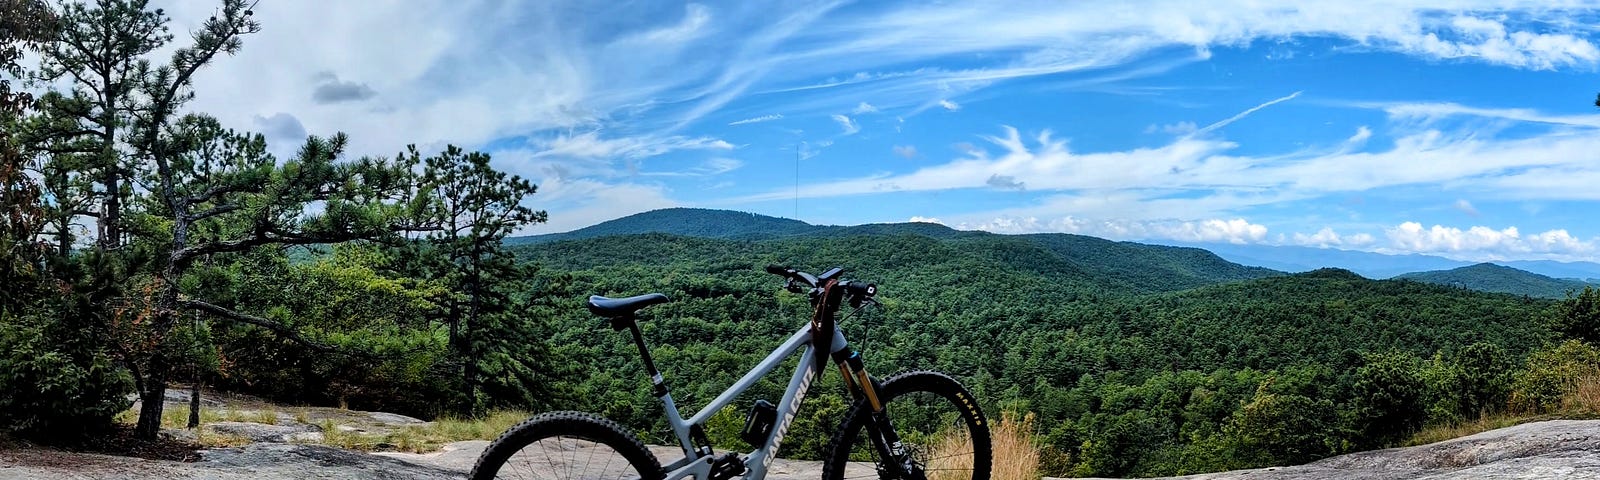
[[219, 210], [273, 325], [287, 331]]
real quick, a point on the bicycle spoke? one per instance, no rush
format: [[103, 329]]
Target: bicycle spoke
[[567, 458]]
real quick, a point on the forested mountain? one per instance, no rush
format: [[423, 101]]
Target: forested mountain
[[1488, 277], [693, 222], [1123, 267], [1132, 370]]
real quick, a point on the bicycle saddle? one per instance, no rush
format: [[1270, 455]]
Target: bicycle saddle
[[621, 307]]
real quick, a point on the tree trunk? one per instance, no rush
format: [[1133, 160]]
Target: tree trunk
[[110, 233], [166, 315], [471, 354], [152, 399], [194, 404], [63, 238]]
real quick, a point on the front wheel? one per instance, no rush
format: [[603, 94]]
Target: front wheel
[[567, 445], [938, 423]]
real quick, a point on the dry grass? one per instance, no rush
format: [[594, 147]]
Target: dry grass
[[1581, 400], [1016, 457], [211, 439], [421, 438], [1584, 397], [951, 457], [1484, 423], [417, 439]]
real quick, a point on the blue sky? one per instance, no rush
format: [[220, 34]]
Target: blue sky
[[1459, 128]]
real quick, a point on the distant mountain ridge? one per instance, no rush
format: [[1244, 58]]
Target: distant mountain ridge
[[689, 222], [1120, 266], [1376, 265], [1214, 262], [1489, 277]]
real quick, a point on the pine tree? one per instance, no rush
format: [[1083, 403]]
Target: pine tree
[[474, 207], [101, 50]]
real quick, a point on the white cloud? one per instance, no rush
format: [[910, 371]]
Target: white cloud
[[1482, 242], [907, 152], [1360, 138], [849, 126], [1323, 238], [949, 105], [1328, 238], [763, 118], [1488, 40], [1238, 230], [1465, 207], [574, 204], [920, 219], [864, 108]]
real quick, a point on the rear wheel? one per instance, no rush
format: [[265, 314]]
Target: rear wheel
[[567, 445], [938, 423]]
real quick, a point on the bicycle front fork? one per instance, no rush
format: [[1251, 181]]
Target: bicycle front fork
[[880, 430]]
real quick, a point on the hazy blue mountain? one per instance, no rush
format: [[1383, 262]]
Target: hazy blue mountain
[[1305, 259], [1579, 270], [1375, 265], [1488, 277]]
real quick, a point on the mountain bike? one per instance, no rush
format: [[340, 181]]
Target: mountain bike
[[916, 425]]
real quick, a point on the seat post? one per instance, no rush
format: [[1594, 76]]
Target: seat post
[[644, 351]]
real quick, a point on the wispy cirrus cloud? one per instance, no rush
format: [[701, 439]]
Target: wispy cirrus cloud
[[1200, 177], [592, 145], [600, 88], [1246, 113], [1427, 112], [763, 118]]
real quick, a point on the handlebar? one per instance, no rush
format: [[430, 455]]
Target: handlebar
[[826, 293], [853, 287]]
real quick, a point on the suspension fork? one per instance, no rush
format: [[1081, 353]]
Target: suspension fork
[[880, 428]]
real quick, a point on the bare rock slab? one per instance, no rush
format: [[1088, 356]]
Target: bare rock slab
[[1565, 449], [260, 432]]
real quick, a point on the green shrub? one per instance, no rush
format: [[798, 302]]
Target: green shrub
[[1388, 399], [53, 388], [1551, 373], [1578, 317], [1276, 429]]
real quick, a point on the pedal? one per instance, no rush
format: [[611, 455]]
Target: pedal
[[727, 466]]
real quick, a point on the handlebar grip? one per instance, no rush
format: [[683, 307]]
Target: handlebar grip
[[856, 287], [776, 269]]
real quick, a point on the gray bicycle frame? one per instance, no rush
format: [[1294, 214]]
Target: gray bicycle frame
[[758, 460]]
